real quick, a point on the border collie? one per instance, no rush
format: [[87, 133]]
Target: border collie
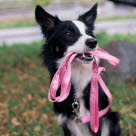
[[63, 37]]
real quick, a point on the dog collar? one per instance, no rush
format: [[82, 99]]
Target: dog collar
[[62, 79]]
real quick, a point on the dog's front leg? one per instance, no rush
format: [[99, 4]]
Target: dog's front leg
[[66, 130]]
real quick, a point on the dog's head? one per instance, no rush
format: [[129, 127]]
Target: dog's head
[[66, 36]]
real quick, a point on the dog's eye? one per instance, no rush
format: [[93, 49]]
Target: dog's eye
[[88, 32], [69, 33]]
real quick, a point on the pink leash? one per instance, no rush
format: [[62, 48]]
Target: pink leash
[[62, 79]]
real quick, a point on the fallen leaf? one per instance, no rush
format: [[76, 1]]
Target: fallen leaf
[[3, 122], [14, 90], [5, 135], [3, 105], [44, 117], [129, 130], [29, 97], [26, 133], [37, 128], [42, 101], [132, 115], [15, 133], [15, 122]]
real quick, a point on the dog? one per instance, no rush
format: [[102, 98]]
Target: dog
[[77, 36]]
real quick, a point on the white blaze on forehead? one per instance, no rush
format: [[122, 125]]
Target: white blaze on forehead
[[81, 26], [80, 45]]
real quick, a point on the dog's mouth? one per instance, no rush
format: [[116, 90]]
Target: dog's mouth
[[85, 57]]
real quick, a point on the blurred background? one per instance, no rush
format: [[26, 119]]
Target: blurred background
[[24, 107]]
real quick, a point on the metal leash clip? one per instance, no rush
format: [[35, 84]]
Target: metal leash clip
[[79, 121], [75, 106]]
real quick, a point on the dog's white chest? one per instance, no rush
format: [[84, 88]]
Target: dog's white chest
[[80, 76]]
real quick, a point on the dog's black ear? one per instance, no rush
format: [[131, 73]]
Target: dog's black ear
[[46, 20], [90, 16]]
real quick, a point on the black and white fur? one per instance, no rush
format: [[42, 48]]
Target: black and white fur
[[63, 37]]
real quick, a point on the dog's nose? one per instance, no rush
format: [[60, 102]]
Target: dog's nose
[[91, 43]]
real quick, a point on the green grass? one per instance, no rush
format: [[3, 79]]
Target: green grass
[[17, 25], [17, 22], [104, 38], [24, 107]]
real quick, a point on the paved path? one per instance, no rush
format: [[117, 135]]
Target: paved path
[[106, 9], [122, 27], [20, 35], [30, 34]]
